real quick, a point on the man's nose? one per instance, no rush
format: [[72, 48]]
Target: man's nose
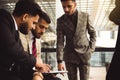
[[66, 9], [33, 27]]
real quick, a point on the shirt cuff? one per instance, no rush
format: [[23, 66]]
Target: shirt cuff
[[59, 61]]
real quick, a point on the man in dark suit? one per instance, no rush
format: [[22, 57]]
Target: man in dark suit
[[114, 68], [73, 28], [12, 55]]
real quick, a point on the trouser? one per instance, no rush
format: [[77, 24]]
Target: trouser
[[72, 71]]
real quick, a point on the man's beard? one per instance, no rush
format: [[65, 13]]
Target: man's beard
[[36, 35], [23, 28]]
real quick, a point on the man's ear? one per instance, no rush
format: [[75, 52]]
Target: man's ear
[[25, 17]]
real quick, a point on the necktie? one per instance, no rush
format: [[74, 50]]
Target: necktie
[[34, 50]]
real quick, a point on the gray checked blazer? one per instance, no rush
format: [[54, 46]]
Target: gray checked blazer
[[79, 40]]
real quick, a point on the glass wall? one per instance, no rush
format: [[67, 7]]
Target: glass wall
[[98, 10]]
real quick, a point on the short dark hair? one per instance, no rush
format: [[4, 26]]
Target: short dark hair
[[27, 6], [67, 0], [45, 17]]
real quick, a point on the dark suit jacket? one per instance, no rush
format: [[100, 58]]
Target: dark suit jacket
[[114, 69], [75, 40], [11, 50]]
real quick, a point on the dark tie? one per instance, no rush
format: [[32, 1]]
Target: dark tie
[[34, 50]]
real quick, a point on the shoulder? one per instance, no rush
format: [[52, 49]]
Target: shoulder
[[5, 15], [61, 18], [4, 12], [82, 13]]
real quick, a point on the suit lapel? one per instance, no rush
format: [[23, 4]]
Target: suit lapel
[[28, 45], [38, 46], [80, 24]]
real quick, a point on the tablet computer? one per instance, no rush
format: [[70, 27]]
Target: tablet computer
[[56, 72]]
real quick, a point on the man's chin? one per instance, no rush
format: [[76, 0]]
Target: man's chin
[[68, 14], [38, 37]]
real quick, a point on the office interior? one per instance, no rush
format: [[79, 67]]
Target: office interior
[[106, 30]]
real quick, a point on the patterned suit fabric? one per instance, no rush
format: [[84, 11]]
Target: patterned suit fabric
[[77, 41], [74, 46]]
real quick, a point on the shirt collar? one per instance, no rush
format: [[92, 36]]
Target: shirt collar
[[74, 14], [16, 27], [31, 35]]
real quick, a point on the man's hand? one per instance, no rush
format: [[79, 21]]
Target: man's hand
[[41, 66], [61, 67], [44, 68]]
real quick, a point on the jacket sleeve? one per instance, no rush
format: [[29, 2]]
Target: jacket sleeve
[[92, 34], [60, 42]]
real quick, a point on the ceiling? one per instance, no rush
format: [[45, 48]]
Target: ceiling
[[98, 10]]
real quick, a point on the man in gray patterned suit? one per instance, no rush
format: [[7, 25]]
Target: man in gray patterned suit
[[72, 30]]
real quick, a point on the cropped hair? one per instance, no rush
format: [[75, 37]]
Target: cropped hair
[[67, 0], [45, 17], [27, 6]]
